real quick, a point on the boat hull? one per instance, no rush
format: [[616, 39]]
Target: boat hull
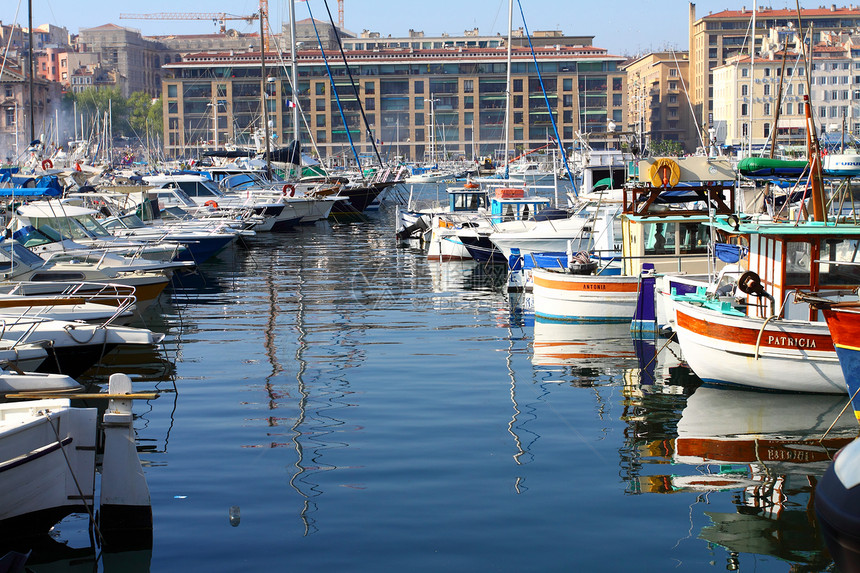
[[790, 356], [584, 298], [38, 485]]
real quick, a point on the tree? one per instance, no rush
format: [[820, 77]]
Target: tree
[[665, 147], [139, 105]]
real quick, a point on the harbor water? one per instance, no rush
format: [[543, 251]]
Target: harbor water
[[333, 401]]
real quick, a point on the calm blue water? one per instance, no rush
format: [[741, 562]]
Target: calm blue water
[[367, 410]]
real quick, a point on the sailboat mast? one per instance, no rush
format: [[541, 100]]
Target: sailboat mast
[[294, 70], [32, 68], [508, 85], [263, 92]]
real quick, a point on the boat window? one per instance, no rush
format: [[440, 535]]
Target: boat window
[[175, 213], [798, 256], [509, 213], [693, 238], [10, 250], [659, 238], [839, 251], [93, 226], [41, 236], [57, 276], [525, 213], [66, 226]]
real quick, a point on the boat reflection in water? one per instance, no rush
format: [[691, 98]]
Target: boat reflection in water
[[584, 347], [769, 448]]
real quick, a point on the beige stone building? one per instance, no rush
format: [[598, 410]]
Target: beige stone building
[[452, 99], [15, 109], [717, 37], [657, 104]]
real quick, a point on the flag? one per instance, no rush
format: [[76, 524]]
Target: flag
[[378, 141], [291, 104]]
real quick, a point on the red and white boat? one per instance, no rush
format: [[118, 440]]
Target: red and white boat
[[769, 337]]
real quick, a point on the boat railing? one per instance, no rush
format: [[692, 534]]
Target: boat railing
[[121, 296]]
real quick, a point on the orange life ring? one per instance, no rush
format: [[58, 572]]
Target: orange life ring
[[47, 164], [211, 203], [289, 190], [664, 173]]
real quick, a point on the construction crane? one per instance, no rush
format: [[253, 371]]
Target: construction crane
[[220, 17]]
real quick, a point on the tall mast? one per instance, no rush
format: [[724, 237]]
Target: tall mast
[[32, 68], [508, 85], [263, 92], [294, 70]]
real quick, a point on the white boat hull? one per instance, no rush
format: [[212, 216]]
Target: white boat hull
[[585, 298], [38, 486], [790, 356]]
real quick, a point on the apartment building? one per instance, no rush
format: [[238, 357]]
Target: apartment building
[[746, 93], [454, 97], [717, 37], [657, 105], [15, 108]]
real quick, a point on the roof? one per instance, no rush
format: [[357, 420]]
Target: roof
[[401, 54], [784, 13], [807, 228]]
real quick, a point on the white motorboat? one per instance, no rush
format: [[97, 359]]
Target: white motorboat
[[48, 467]]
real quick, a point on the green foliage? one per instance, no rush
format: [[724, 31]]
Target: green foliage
[[131, 116], [665, 147]]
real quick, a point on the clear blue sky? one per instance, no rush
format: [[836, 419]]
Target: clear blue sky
[[621, 26]]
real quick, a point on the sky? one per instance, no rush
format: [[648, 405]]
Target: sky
[[624, 27]]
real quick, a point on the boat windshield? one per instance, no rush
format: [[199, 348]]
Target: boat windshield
[[200, 189], [68, 227], [129, 221], [242, 181], [175, 213], [12, 251]]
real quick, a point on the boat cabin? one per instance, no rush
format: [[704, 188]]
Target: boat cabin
[[822, 258], [515, 205], [465, 199]]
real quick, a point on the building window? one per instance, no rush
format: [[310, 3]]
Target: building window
[[468, 86], [419, 104], [745, 72], [673, 72], [319, 88], [10, 117], [370, 103], [370, 88], [744, 90], [320, 120], [320, 104], [518, 101], [767, 109], [767, 72], [518, 117], [673, 85], [171, 90], [567, 84], [766, 131], [419, 86], [767, 89], [518, 85], [743, 109]]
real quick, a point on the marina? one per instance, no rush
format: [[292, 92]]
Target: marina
[[348, 427], [242, 333]]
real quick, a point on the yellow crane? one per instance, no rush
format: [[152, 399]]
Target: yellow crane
[[219, 17]]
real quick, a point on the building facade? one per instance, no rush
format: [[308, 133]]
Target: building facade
[[15, 109], [135, 58], [657, 104], [453, 100], [717, 37]]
